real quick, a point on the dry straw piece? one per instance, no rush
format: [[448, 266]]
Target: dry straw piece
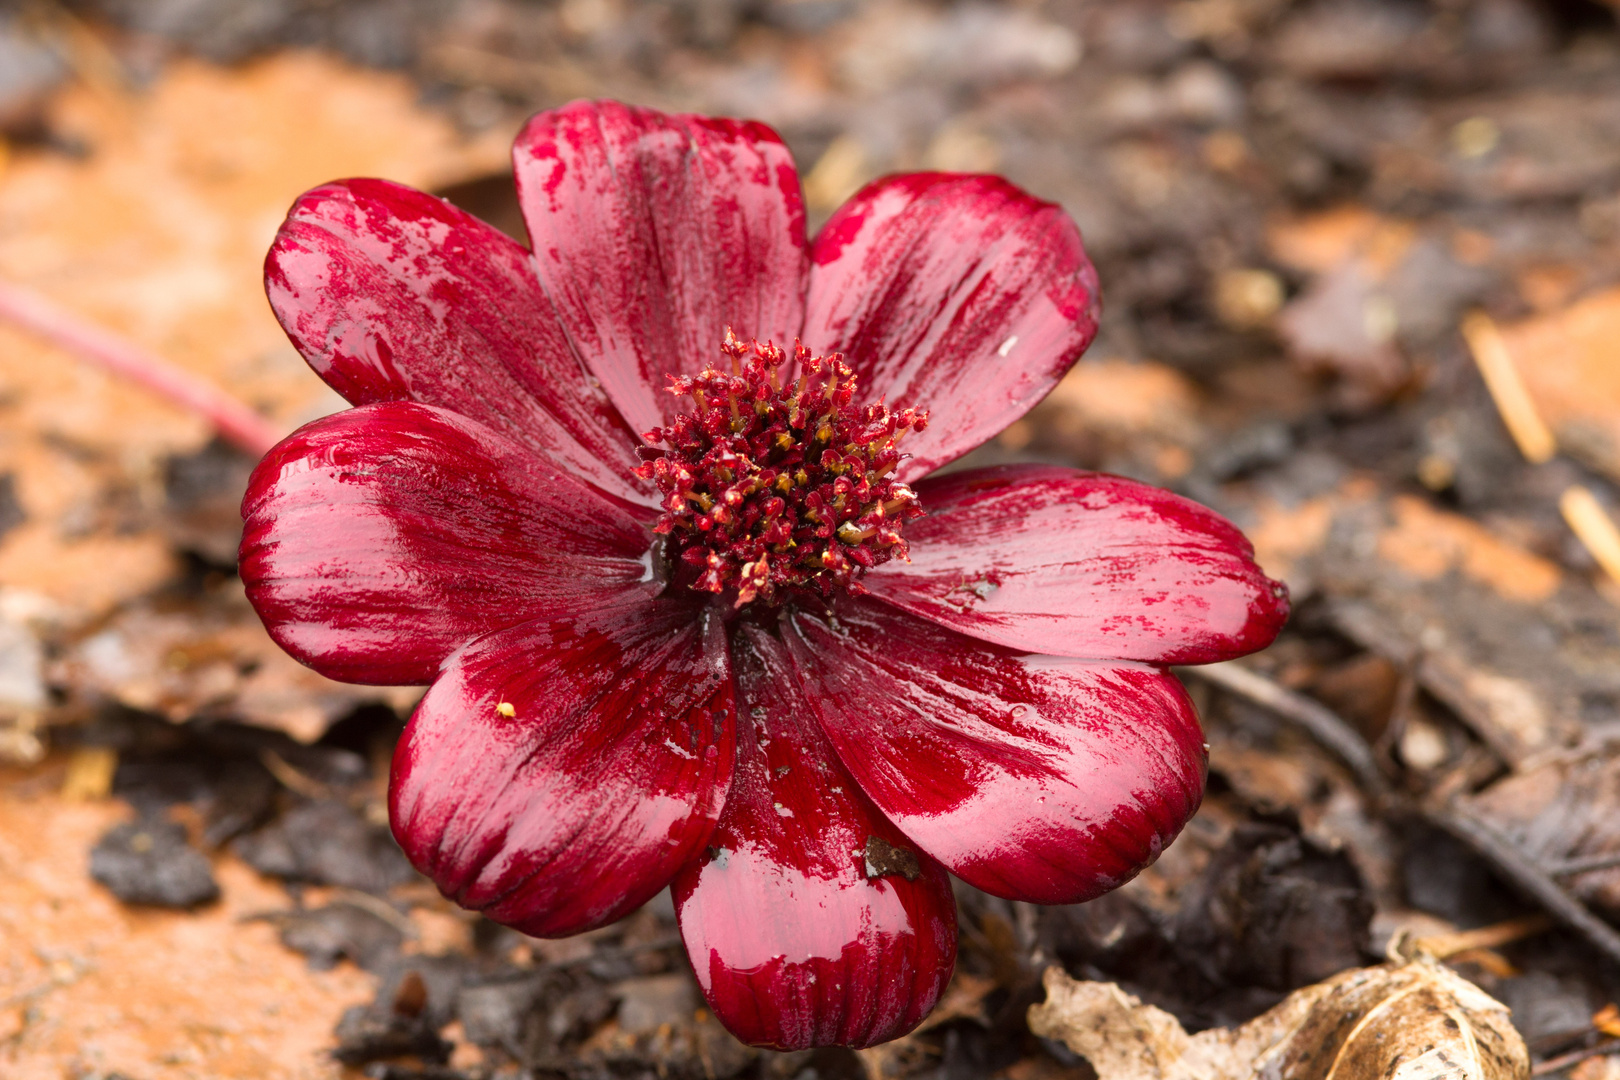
[[1507, 388], [1588, 521]]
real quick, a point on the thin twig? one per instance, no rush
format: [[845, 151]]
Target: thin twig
[[612, 952], [1529, 878], [1575, 1057], [293, 780], [234, 421], [379, 907], [1320, 722], [372, 905], [1585, 864]]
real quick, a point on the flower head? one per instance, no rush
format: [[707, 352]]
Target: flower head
[[796, 472], [649, 507]]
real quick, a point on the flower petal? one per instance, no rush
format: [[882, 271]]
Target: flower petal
[[810, 921], [559, 774], [1035, 778], [395, 295], [654, 233], [959, 294], [1054, 560], [378, 540]]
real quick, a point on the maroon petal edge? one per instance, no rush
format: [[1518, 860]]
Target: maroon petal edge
[[959, 294], [558, 775], [379, 540], [1036, 778], [392, 294], [1054, 560], [810, 920], [653, 233]]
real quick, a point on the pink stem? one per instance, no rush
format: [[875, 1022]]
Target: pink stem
[[235, 422]]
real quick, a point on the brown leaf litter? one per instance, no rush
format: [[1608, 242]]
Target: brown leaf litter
[[1412, 1020]]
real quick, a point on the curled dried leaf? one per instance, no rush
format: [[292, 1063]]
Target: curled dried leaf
[[1408, 1021]]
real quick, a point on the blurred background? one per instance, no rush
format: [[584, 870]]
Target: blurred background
[[1361, 293]]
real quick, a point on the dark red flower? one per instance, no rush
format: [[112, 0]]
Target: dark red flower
[[700, 655]]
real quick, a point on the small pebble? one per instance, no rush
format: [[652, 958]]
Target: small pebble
[[150, 862]]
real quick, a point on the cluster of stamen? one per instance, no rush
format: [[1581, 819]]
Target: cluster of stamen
[[768, 487]]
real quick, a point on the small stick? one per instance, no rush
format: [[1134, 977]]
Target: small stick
[[379, 907], [291, 779], [234, 421], [1582, 865], [1320, 722], [372, 905], [613, 951], [1574, 1057], [1517, 867]]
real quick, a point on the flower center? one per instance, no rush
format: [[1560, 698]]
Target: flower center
[[770, 487]]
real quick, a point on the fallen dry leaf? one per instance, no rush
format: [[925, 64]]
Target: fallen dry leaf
[[1273, 910], [1563, 810], [1494, 631], [1427, 543], [1344, 325], [963, 1000], [1124, 399], [1104, 411], [1381, 293], [1319, 243], [1599, 1068], [1409, 1021], [1568, 363], [209, 657], [1542, 144]]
